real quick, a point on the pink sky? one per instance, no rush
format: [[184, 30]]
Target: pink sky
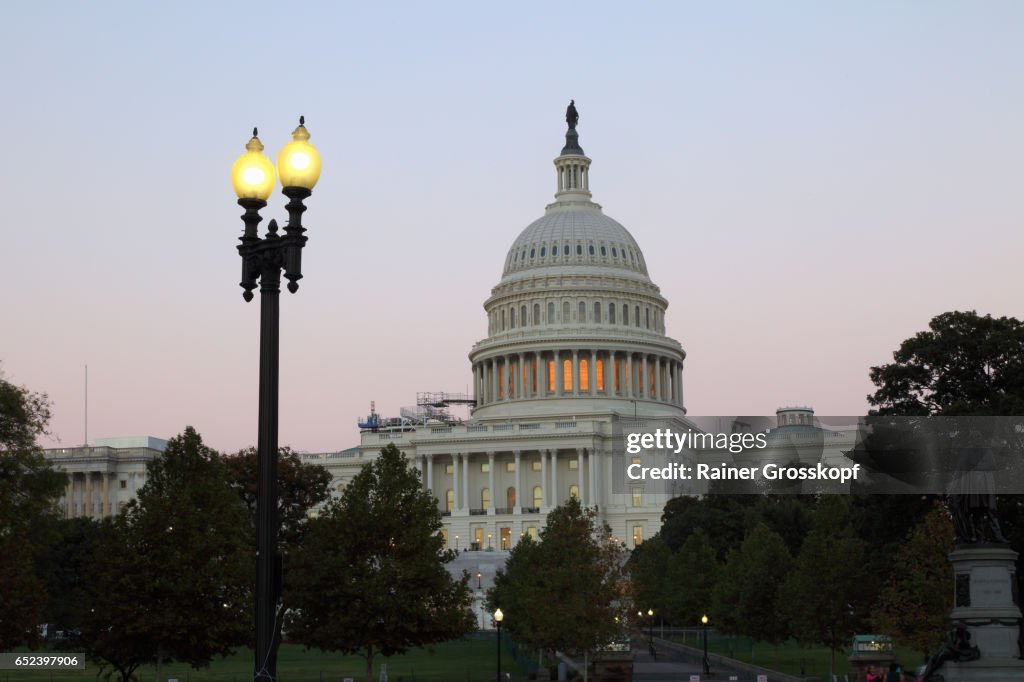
[[810, 185]]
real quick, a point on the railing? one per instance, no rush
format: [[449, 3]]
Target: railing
[[446, 513], [503, 510], [528, 427], [565, 425], [504, 427], [478, 512], [440, 429], [531, 510], [476, 429], [390, 436]]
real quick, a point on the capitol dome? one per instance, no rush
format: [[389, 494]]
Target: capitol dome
[[575, 325]]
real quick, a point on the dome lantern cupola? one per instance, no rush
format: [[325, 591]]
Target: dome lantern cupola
[[572, 166]]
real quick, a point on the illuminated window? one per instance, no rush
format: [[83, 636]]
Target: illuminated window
[[567, 374], [478, 537], [574, 491], [510, 497], [638, 496], [538, 496], [551, 376], [510, 467], [599, 373], [449, 500], [444, 537], [636, 460], [485, 498], [485, 467], [584, 375], [532, 532], [574, 464], [535, 465], [638, 536], [615, 373], [449, 468]]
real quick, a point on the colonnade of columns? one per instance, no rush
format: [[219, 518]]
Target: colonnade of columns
[[578, 372], [512, 500], [80, 495]]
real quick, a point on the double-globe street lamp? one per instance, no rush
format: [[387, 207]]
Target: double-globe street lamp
[[263, 258], [704, 626]]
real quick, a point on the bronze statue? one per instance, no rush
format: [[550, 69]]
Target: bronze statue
[[572, 116], [972, 497], [957, 648]]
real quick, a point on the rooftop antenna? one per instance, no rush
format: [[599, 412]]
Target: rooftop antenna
[[87, 406]]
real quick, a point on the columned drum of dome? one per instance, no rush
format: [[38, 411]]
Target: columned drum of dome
[[576, 326]]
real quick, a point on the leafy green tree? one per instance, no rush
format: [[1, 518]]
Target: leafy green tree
[[174, 584], [746, 596], [565, 592], [649, 572], [965, 364], [301, 489], [823, 599], [914, 607], [723, 518], [370, 576], [29, 489], [66, 569], [696, 566]]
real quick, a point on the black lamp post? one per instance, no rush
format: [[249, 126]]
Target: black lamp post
[[478, 576], [253, 178], [498, 617], [704, 625], [650, 625]]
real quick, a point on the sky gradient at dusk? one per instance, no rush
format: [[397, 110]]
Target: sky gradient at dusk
[[810, 184]]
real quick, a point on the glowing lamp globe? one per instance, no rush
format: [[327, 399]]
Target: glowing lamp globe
[[253, 175], [298, 164], [499, 616]]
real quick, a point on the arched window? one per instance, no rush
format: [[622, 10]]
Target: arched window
[[636, 316], [567, 375], [565, 251], [597, 312], [591, 249], [536, 313], [647, 313], [503, 320], [604, 251], [611, 313], [551, 312], [449, 500], [584, 375], [625, 314], [542, 250], [512, 318], [522, 316], [565, 311], [615, 252], [599, 374], [574, 491], [485, 498], [579, 249], [551, 376], [533, 252], [583, 312], [510, 496], [538, 496]]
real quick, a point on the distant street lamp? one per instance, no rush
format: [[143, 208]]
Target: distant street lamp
[[650, 625], [456, 543], [263, 258], [478, 576], [704, 624], [489, 536], [498, 617]]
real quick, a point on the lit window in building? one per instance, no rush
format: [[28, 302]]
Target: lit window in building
[[449, 500], [485, 467], [485, 498], [510, 497], [510, 467], [449, 468], [599, 374], [532, 532], [615, 374], [535, 465], [567, 374], [574, 491], [574, 465], [551, 376], [584, 375], [638, 496], [478, 537], [638, 536], [538, 496], [444, 537]]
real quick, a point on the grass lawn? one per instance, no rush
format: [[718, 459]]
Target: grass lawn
[[457, 661], [788, 657]]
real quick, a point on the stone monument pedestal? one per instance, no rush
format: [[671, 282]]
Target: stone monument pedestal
[[987, 603]]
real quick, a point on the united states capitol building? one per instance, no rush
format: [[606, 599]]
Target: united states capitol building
[[576, 354]]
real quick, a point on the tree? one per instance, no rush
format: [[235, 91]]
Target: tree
[[696, 566], [746, 596], [565, 592], [301, 489], [370, 577], [66, 569], [649, 572], [724, 518], [29, 489], [965, 364], [914, 607], [823, 599], [174, 584]]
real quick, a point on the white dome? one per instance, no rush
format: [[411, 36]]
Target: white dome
[[568, 237]]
